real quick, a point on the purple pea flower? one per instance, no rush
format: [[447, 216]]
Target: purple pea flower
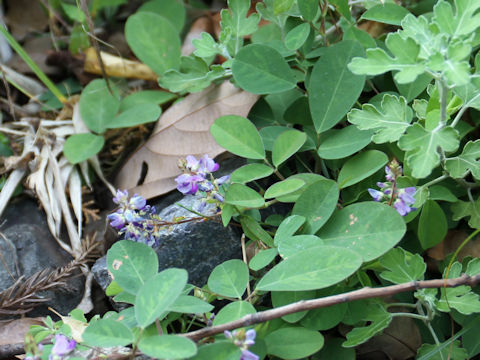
[[248, 355], [63, 346], [188, 184], [121, 197], [207, 165], [375, 194], [243, 339]]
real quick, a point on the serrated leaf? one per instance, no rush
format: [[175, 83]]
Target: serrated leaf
[[379, 319], [459, 166], [463, 21], [236, 19], [402, 266], [81, 147], [206, 46], [469, 209], [421, 147], [389, 120]]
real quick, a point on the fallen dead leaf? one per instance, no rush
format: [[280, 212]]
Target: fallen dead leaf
[[182, 130], [202, 24], [13, 332], [451, 243]]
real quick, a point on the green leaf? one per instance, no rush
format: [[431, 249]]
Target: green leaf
[[311, 269], [469, 209], [239, 136], [309, 179], [453, 350], [360, 167], [233, 311], [107, 333], [283, 188], [297, 36], [289, 246], [206, 46], [463, 21], [343, 8], [262, 259], [97, 106], [137, 115], [146, 97], [131, 264], [236, 19], [412, 90], [333, 89], [287, 144], [230, 278], [219, 350], [405, 52], [369, 228], [241, 195], [389, 120], [402, 266], [81, 147], [154, 40], [352, 32], [421, 147], [191, 81], [324, 318], [158, 294], [281, 298], [439, 192], [73, 12], [473, 267], [254, 231], [250, 172], [388, 13], [308, 9], [281, 6], [467, 162], [172, 10], [260, 69], [293, 342], [190, 305], [333, 349], [316, 204], [428, 234], [167, 346], [288, 227], [344, 142], [379, 319]]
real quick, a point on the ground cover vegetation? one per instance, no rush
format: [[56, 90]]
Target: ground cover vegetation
[[363, 144]]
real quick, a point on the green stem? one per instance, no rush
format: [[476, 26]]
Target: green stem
[[414, 306], [413, 316], [435, 181], [435, 337]]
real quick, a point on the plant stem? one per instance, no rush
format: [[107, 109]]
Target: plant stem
[[410, 315], [435, 181]]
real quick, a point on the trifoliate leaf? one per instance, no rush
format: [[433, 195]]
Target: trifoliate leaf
[[389, 120], [467, 161], [402, 266], [379, 319], [469, 209], [405, 54], [421, 147]]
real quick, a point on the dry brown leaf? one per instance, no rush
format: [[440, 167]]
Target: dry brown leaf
[[182, 130], [202, 24], [13, 332], [451, 243]]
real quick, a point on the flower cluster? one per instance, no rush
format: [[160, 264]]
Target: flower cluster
[[401, 199], [243, 339], [62, 347], [134, 219], [197, 176]]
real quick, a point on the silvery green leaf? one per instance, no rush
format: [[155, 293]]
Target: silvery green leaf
[[467, 161]]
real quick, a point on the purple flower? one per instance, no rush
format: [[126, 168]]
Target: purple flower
[[390, 176], [407, 194], [375, 194], [222, 180], [401, 207], [121, 197], [62, 347], [250, 337], [207, 165], [117, 220], [188, 184], [137, 202], [248, 355]]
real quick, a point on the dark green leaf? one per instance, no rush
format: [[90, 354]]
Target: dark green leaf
[[360, 167], [241, 195], [251, 172], [293, 342], [429, 235], [338, 144], [388, 13]]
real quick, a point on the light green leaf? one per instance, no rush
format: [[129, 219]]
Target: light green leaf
[[473, 267], [293, 342], [107, 333], [236, 19], [459, 166], [167, 346], [154, 40], [308, 9], [262, 259], [422, 146], [281, 6], [251, 172], [239, 136], [73, 12], [402, 266], [137, 115], [333, 89], [288, 227], [98, 106], [327, 317], [230, 278], [81, 147], [311, 269], [405, 52], [146, 97], [429, 235], [283, 188], [369, 228], [388, 13], [411, 90], [360, 167], [131, 264], [254, 231], [289, 246], [233, 311], [190, 305], [281, 298], [241, 195], [463, 21], [287, 144], [260, 69], [379, 319], [309, 179], [206, 46], [450, 350], [469, 209], [338, 144], [191, 81], [219, 350], [389, 120], [316, 204], [173, 10], [297, 36], [158, 294]]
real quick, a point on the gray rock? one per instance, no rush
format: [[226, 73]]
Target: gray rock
[[26, 247]]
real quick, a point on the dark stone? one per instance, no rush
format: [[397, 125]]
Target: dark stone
[[27, 247]]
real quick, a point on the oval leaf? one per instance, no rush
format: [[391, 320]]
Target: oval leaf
[[241, 195], [137, 115], [392, 14], [262, 259], [281, 298], [167, 346], [239, 136], [146, 97], [297, 36], [251, 172], [229, 278], [81, 147], [173, 10], [158, 294], [360, 167], [260, 69], [287, 144], [190, 305], [233, 311], [369, 228], [283, 188], [341, 143], [221, 350], [429, 234], [311, 269], [293, 342], [107, 333], [289, 246]]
